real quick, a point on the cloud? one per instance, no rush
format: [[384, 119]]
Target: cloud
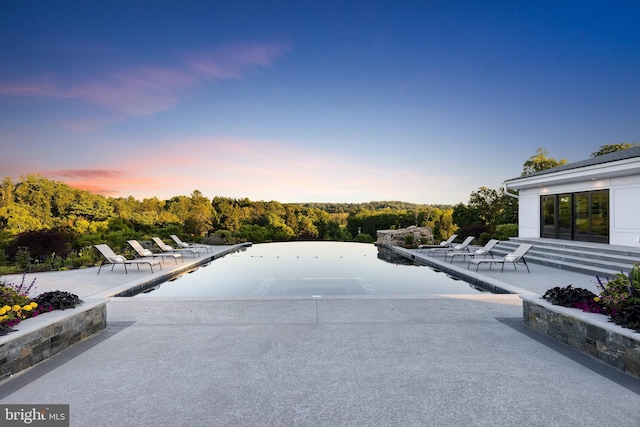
[[233, 61], [40, 89], [88, 173], [257, 169], [146, 90]]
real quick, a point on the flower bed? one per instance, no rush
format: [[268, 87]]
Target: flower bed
[[591, 333], [40, 337], [16, 305], [619, 298], [584, 320]]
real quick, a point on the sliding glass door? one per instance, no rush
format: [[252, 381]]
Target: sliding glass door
[[576, 216], [592, 216]]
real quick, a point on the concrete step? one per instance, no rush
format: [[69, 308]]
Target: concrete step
[[598, 259], [593, 259]]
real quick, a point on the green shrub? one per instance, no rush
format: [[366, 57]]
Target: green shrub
[[364, 238], [254, 233], [621, 292], [39, 244], [78, 259], [504, 231], [484, 238], [23, 258], [8, 269], [219, 237]]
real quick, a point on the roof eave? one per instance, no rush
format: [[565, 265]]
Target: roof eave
[[620, 168]]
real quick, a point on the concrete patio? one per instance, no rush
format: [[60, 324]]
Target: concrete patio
[[445, 360]]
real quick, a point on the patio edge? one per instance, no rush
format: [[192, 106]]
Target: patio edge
[[590, 333]]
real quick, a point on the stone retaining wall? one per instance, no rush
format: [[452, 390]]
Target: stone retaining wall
[[591, 333], [41, 337]]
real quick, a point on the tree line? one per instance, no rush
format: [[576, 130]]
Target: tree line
[[50, 224]]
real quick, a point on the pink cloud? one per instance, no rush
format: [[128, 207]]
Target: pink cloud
[[107, 182], [232, 61], [93, 188], [146, 90], [89, 173], [41, 89], [244, 168]]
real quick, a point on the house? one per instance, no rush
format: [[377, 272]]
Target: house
[[593, 200]]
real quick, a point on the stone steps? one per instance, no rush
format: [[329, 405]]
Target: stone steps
[[584, 257]]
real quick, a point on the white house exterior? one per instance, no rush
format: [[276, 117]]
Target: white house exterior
[[595, 200]]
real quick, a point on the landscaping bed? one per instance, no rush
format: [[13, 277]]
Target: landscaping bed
[[39, 338], [591, 333], [35, 328]]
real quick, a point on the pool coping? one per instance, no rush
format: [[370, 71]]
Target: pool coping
[[137, 286], [487, 283]]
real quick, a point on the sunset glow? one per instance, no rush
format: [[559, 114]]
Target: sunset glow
[[327, 102]]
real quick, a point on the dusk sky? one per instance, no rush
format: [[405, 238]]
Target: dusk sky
[[299, 101]]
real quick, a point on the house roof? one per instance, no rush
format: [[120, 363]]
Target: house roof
[[592, 161]]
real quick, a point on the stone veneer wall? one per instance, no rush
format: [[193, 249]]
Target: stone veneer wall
[[43, 336], [591, 333]]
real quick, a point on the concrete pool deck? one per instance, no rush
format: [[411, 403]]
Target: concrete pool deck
[[354, 361]]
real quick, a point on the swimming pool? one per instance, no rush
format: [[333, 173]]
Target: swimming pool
[[312, 269]]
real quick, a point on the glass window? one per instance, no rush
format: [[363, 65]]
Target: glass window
[[581, 213], [576, 216], [600, 213]]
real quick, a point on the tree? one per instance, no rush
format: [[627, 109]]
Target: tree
[[486, 210], [6, 192], [611, 148], [540, 161]]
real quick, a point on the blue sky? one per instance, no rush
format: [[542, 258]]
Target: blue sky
[[295, 101]]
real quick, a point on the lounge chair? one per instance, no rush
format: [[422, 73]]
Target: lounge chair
[[462, 247], [166, 248], [483, 251], [143, 253], [111, 258], [444, 244], [514, 258], [185, 245]]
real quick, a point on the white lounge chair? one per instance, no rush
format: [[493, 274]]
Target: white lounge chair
[[480, 252], [186, 245], [111, 258], [166, 248], [444, 244], [514, 258], [462, 247], [143, 253]]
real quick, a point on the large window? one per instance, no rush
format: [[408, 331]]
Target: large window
[[576, 216]]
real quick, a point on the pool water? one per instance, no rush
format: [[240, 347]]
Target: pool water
[[313, 269]]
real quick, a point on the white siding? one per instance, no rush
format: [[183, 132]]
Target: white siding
[[625, 214], [529, 213], [624, 207]]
